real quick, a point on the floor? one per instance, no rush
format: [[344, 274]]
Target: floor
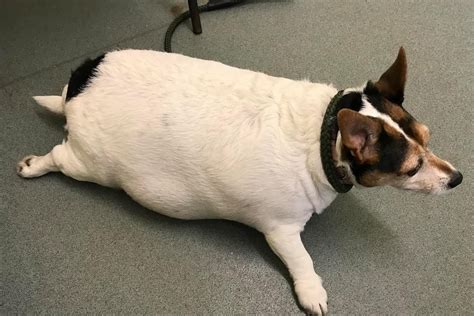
[[70, 247]]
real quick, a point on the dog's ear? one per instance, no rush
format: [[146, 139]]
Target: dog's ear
[[392, 83], [359, 134]]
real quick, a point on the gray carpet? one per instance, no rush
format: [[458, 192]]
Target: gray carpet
[[71, 247]]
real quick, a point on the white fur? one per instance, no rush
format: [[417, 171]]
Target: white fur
[[193, 139], [51, 102], [356, 89]]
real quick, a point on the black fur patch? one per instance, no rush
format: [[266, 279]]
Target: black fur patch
[[406, 124], [352, 101], [392, 152], [375, 97], [81, 76]]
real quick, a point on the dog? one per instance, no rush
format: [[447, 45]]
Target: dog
[[197, 139]]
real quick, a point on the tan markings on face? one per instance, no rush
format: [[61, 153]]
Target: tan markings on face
[[395, 112], [391, 130], [415, 151], [421, 133], [376, 178], [439, 164]]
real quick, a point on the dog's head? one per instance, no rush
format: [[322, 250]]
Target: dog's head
[[382, 144]]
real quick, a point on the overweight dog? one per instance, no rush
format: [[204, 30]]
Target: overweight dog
[[195, 139]]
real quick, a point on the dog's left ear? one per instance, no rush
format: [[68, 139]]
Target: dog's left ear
[[392, 83], [359, 134]]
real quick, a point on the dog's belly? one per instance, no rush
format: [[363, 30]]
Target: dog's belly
[[187, 201], [171, 198]]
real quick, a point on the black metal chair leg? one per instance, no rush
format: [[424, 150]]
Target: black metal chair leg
[[195, 19]]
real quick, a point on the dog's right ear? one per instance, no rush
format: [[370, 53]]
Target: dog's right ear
[[392, 83], [359, 134]]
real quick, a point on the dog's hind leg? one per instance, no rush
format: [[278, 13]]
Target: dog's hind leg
[[61, 158]]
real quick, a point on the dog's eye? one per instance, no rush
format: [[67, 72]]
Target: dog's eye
[[413, 171]]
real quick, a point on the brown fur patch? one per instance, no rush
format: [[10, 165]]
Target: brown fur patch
[[375, 178], [413, 128], [411, 161], [421, 133], [396, 112], [391, 130], [359, 134]]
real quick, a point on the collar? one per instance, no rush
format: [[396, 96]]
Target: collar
[[337, 176]]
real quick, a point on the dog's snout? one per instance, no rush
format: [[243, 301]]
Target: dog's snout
[[456, 180]]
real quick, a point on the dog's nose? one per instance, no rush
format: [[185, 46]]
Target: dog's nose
[[456, 180]]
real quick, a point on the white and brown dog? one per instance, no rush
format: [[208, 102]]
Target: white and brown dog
[[195, 139]]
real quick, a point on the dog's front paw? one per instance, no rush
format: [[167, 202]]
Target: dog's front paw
[[25, 167], [312, 297]]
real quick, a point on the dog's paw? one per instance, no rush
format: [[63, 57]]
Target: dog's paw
[[25, 168], [312, 297]]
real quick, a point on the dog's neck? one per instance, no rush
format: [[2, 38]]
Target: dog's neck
[[301, 121]]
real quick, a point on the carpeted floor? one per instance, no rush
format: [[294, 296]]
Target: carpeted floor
[[71, 247]]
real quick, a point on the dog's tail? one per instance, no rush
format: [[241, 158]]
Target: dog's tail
[[53, 103]]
